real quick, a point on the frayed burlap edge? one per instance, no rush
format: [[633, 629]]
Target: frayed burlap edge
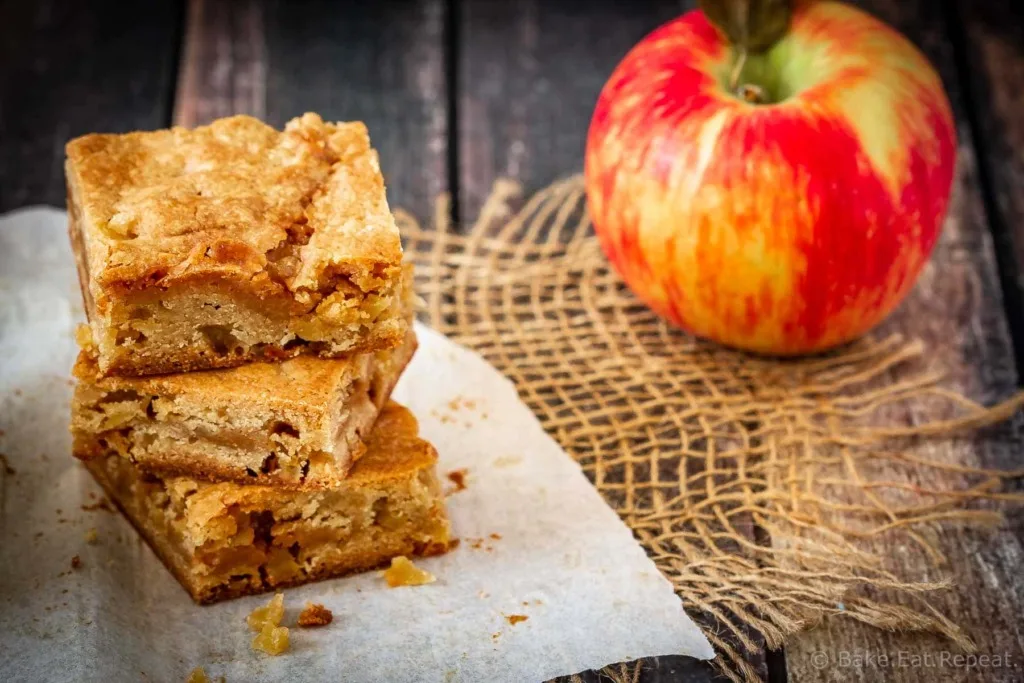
[[706, 452]]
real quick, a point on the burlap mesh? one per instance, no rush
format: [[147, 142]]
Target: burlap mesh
[[749, 481]]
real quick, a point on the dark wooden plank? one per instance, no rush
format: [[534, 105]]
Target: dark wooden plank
[[956, 310], [77, 67], [380, 62], [528, 76], [529, 73], [990, 38], [223, 65]]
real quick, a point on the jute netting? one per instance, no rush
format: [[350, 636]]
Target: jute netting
[[753, 483]]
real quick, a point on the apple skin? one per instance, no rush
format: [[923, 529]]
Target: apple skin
[[782, 228]]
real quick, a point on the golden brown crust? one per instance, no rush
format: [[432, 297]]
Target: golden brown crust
[[282, 240], [304, 383], [393, 450], [303, 394], [225, 540], [206, 595], [169, 204]]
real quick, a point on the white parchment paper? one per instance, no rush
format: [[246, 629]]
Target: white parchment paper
[[537, 540]]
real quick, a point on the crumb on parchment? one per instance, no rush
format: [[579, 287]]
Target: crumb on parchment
[[270, 614], [458, 477], [403, 572], [315, 614], [197, 675], [91, 536], [272, 639], [102, 504], [76, 562]]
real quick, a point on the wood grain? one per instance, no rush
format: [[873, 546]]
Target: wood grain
[[72, 68], [956, 309], [223, 63], [990, 34], [529, 73], [381, 62]]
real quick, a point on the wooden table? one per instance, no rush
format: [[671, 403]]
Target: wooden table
[[460, 92]]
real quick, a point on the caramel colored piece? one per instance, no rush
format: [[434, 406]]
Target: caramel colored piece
[[403, 572], [272, 639], [315, 614], [270, 614], [197, 675]]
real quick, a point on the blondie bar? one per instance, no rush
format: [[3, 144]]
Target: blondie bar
[[233, 242], [299, 423], [223, 540]]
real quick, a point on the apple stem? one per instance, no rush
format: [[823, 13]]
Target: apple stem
[[748, 92], [737, 68]]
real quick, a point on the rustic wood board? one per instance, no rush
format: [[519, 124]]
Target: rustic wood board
[[956, 310], [528, 76], [990, 36], [72, 68]]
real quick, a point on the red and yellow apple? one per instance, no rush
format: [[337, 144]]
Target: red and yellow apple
[[784, 226]]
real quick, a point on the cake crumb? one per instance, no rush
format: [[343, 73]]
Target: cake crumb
[[197, 675], [83, 335], [101, 504], [496, 537], [76, 562], [480, 544], [507, 461], [10, 471], [458, 477], [403, 572], [268, 615], [272, 639], [91, 536], [315, 614], [514, 619]]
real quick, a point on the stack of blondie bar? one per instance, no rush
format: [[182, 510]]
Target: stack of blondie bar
[[249, 314]]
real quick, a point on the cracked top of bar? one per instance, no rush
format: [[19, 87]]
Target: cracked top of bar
[[292, 226]]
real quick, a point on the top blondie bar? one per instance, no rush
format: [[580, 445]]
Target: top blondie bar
[[233, 242]]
